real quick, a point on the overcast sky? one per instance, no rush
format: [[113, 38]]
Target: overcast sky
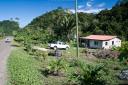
[[26, 10]]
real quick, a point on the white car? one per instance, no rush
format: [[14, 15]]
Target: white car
[[7, 40], [59, 45]]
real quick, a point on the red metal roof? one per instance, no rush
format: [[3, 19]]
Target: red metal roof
[[99, 37]]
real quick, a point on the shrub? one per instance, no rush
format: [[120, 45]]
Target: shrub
[[54, 67], [41, 55], [28, 47], [73, 63], [123, 52], [86, 74], [112, 68]]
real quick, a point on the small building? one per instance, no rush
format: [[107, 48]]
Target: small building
[[100, 41]]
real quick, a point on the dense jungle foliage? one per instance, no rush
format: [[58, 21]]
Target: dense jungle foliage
[[8, 27], [59, 24]]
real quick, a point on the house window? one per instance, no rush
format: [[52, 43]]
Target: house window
[[106, 43], [112, 42], [95, 42]]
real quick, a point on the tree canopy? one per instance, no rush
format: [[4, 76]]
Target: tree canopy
[[122, 3], [8, 27], [59, 24]]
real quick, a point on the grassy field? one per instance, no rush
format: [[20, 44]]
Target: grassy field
[[31, 69], [1, 38], [22, 69], [25, 69]]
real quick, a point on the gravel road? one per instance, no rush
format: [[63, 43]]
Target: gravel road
[[5, 49]]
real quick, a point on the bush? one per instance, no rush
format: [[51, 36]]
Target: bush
[[73, 63], [86, 74], [28, 47], [54, 67], [112, 68], [41, 55], [123, 52]]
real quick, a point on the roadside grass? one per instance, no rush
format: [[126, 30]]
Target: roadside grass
[[23, 69], [1, 38], [15, 44]]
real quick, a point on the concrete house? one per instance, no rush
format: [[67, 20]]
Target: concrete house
[[100, 41]]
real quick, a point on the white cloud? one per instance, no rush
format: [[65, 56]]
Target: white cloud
[[96, 10], [92, 10], [101, 4], [89, 4], [90, 7], [80, 6], [72, 10]]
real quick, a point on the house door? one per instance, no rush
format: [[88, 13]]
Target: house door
[[87, 43]]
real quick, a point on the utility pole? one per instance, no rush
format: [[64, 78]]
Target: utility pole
[[77, 29]]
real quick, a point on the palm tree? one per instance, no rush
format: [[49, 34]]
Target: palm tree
[[64, 26]]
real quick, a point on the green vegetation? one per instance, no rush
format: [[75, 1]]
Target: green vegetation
[[59, 24], [23, 69], [87, 74], [1, 37], [124, 52], [31, 67], [122, 2], [8, 27]]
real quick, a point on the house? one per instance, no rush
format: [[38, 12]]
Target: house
[[100, 41]]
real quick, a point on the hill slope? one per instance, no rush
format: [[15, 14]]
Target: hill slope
[[7, 27], [59, 24]]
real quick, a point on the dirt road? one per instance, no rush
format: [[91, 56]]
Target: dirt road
[[5, 49]]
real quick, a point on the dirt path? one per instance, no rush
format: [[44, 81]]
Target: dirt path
[[5, 49]]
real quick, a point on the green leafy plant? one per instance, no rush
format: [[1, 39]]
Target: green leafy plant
[[124, 52], [86, 74], [28, 47], [55, 67], [41, 55]]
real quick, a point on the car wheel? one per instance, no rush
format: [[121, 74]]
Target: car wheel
[[66, 48], [55, 47]]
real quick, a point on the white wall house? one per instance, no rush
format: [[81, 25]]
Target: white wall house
[[101, 41]]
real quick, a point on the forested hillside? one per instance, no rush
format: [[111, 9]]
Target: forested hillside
[[59, 24], [115, 21], [8, 27]]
